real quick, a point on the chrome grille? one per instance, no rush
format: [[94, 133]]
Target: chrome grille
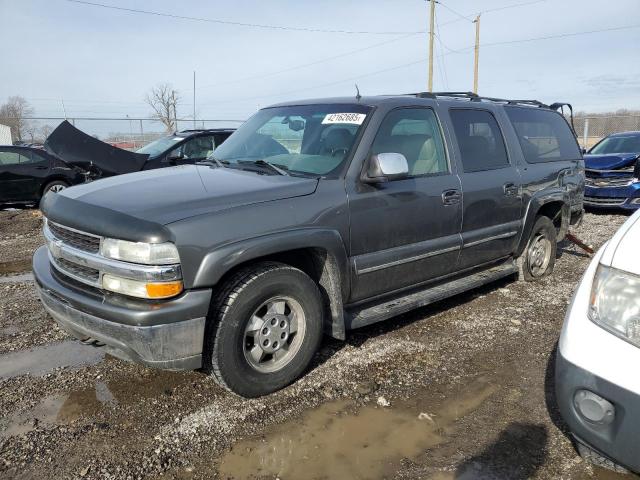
[[608, 201], [608, 181], [74, 270], [81, 241]]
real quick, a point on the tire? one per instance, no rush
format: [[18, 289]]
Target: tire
[[539, 256], [598, 460], [249, 305], [55, 186]]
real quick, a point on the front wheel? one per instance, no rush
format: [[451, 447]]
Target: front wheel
[[56, 187], [539, 256], [265, 327]]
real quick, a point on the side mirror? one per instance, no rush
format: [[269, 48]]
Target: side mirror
[[584, 150], [386, 166], [174, 157]]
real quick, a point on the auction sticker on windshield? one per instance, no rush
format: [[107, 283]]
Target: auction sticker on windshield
[[352, 118]]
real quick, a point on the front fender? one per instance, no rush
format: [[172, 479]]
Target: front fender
[[219, 261], [334, 275]]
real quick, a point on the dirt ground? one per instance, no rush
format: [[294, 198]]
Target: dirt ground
[[459, 390]]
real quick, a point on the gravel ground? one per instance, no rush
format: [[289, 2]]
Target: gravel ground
[[466, 382]]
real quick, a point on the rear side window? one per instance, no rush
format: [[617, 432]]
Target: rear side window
[[13, 158], [544, 135], [480, 140]]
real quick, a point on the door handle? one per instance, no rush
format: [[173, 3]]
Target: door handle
[[451, 197], [510, 189], [41, 167]]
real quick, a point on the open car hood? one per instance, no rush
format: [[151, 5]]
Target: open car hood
[[77, 148]]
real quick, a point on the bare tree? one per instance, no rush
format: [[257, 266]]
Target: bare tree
[[163, 99], [13, 114], [45, 131]]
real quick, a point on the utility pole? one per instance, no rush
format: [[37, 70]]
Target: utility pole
[[194, 99], [431, 33], [477, 54]]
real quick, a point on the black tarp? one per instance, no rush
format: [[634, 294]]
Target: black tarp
[[77, 148]]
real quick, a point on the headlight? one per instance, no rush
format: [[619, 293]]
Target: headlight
[[615, 303], [136, 288], [137, 252]]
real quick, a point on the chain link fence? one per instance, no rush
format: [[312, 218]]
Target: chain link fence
[[591, 129], [128, 133]]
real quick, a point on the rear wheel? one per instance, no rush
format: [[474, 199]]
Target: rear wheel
[[539, 256], [265, 327]]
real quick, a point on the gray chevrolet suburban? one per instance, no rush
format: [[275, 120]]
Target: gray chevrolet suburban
[[314, 216]]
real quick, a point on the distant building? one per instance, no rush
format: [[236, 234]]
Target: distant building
[[5, 135]]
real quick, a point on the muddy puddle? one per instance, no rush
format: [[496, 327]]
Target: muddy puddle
[[71, 406], [15, 266], [42, 360], [337, 440]]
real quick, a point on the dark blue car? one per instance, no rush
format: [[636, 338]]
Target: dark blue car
[[613, 171]]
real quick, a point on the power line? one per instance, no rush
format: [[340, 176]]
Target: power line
[[460, 15], [304, 65], [504, 7], [238, 24], [422, 60]]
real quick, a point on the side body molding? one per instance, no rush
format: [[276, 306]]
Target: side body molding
[[332, 266]]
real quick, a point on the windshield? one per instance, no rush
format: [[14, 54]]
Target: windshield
[[617, 144], [305, 139], [160, 145]]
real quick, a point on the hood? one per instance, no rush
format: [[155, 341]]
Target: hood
[[77, 148], [167, 195], [610, 162], [621, 251]]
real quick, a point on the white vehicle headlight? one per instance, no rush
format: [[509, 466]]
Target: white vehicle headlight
[[137, 252], [615, 303]]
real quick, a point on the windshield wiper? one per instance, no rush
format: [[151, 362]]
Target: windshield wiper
[[213, 161], [279, 170]]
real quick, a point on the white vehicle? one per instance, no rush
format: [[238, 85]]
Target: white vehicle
[[597, 378]]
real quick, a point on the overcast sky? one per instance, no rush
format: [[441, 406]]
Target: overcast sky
[[103, 61]]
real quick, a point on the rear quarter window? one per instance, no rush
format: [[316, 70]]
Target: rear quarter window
[[544, 135]]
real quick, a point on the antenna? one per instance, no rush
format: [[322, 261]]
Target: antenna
[[358, 96]]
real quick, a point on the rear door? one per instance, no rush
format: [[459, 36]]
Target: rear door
[[21, 174], [491, 185]]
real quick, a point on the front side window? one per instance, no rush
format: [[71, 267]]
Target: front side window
[[544, 135], [617, 144], [160, 145], [479, 139], [415, 133], [13, 158], [301, 139], [197, 148]]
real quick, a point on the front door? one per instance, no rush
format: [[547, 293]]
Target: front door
[[406, 231], [492, 203]]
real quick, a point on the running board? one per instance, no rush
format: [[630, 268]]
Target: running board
[[360, 317]]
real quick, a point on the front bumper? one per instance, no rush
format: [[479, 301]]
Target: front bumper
[[167, 334], [626, 197], [592, 359], [618, 440]]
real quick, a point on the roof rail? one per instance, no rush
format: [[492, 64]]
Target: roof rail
[[473, 97]]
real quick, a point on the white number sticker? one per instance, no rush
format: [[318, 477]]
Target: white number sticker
[[353, 118]]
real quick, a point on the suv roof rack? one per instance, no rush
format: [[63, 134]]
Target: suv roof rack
[[195, 130], [473, 97]]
